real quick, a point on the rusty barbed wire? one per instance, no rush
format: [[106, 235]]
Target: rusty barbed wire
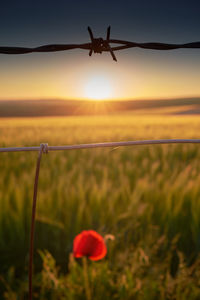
[[100, 45]]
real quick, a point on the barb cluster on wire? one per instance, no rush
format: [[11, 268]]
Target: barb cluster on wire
[[99, 45]]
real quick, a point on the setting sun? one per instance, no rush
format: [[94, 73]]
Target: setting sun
[[98, 88]]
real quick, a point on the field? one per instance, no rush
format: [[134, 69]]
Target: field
[[145, 197], [56, 107]]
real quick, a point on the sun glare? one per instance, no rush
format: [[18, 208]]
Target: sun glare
[[98, 88]]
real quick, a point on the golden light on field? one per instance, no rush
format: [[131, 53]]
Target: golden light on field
[[98, 87]]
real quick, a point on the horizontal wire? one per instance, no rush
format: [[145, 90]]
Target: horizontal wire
[[99, 45], [154, 45], [103, 145], [89, 46], [45, 48]]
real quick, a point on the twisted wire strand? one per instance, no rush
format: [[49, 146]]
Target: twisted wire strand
[[154, 46], [45, 48], [89, 46]]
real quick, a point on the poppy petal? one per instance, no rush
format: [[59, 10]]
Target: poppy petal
[[89, 243]]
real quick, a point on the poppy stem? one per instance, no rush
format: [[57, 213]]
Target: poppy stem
[[86, 279]]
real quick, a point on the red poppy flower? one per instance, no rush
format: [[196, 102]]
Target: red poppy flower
[[89, 243]]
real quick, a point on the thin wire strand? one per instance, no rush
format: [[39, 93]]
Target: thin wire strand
[[103, 145], [32, 233]]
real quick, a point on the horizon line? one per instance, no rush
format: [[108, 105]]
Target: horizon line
[[103, 100]]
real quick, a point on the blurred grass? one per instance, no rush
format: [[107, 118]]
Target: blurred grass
[[146, 196]]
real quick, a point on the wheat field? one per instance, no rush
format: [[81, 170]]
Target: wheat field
[[146, 197]]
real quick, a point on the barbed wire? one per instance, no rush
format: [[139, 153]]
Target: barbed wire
[[100, 45]]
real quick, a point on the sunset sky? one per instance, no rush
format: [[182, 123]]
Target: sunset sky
[[74, 75]]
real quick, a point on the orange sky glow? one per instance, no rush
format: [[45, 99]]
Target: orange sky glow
[[76, 76]]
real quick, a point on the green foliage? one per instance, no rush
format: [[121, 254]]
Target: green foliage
[[147, 197]]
